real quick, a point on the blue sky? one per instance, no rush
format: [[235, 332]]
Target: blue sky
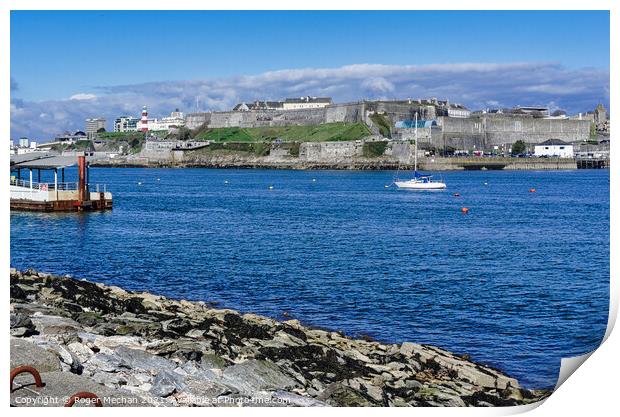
[[111, 62]]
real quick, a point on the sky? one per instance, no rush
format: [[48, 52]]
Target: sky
[[67, 66]]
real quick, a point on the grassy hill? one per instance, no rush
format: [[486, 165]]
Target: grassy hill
[[383, 124], [315, 133]]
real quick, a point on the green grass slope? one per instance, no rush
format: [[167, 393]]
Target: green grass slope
[[315, 133]]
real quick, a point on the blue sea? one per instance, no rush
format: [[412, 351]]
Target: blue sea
[[519, 282]]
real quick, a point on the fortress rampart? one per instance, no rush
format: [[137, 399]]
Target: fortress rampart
[[476, 132]]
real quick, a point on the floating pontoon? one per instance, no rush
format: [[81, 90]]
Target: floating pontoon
[[27, 194]]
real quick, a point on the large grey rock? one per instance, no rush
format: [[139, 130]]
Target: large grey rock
[[257, 375], [104, 362], [80, 350], [338, 394], [47, 324], [201, 392], [139, 359], [165, 383], [24, 352]]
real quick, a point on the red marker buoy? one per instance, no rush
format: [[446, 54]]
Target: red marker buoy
[[464, 210], [532, 190]]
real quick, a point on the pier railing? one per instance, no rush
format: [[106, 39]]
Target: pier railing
[[61, 186]]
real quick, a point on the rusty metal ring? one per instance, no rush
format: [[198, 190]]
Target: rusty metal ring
[[83, 395], [31, 371]]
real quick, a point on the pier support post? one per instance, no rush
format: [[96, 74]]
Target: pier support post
[[82, 178], [56, 182], [30, 169]]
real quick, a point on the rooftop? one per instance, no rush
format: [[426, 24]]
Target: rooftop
[[41, 160], [552, 142]]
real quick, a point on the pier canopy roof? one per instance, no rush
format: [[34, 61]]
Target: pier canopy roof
[[45, 162]]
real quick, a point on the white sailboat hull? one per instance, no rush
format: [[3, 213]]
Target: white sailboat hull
[[419, 185]]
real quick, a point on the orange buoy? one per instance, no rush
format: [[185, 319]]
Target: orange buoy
[[464, 210], [456, 194], [532, 190]]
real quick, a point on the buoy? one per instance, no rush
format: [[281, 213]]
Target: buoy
[[313, 179], [486, 183], [157, 179], [464, 210], [139, 183], [456, 194], [271, 187], [532, 190], [386, 186], [226, 182]]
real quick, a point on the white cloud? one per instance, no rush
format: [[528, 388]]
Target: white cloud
[[82, 96], [477, 85], [377, 85]]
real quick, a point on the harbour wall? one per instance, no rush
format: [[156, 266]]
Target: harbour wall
[[369, 154]]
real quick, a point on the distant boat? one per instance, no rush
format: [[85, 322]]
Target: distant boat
[[419, 181]]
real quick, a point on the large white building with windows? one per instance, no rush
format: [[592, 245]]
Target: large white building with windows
[[554, 148], [126, 124], [306, 103]]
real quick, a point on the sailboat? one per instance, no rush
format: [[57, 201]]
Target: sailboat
[[419, 181]]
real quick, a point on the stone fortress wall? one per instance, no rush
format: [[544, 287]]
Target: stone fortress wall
[[484, 132], [476, 132]]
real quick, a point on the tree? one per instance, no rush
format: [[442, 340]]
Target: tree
[[592, 130], [518, 147]]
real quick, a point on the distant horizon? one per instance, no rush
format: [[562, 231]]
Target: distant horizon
[[218, 59]]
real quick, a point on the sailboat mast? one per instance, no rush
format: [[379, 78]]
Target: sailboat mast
[[415, 152]]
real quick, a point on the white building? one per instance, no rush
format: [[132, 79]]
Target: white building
[[176, 119], [554, 148], [306, 103], [459, 111], [126, 124], [23, 142]]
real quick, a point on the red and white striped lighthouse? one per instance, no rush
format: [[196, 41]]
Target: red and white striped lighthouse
[[144, 124]]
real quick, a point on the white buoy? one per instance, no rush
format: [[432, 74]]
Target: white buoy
[[157, 179], [225, 181], [313, 179], [386, 186], [486, 183], [271, 187], [139, 182]]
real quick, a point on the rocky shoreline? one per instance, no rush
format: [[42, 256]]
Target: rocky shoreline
[[246, 164], [142, 349]]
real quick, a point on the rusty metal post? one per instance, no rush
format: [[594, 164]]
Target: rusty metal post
[[82, 178]]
